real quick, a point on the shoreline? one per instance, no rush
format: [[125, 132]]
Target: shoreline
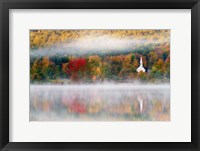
[[113, 86]]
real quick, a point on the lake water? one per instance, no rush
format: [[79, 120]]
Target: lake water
[[111, 102]]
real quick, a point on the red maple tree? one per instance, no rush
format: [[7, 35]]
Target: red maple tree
[[76, 67]]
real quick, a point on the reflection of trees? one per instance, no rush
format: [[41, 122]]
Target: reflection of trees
[[45, 100], [101, 102]]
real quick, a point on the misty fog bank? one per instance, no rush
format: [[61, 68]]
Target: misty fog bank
[[105, 85], [95, 45]]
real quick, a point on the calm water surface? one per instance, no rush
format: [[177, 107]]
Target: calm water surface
[[99, 103]]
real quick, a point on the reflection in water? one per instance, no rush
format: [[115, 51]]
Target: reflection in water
[[141, 103], [99, 103]]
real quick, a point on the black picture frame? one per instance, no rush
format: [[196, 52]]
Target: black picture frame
[[5, 5]]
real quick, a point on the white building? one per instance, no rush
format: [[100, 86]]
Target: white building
[[141, 68]]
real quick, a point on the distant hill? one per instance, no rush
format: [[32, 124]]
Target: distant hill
[[46, 38], [97, 42]]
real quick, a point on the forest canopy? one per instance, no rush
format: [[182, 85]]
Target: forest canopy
[[70, 56]]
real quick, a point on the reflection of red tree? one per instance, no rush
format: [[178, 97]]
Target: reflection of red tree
[[77, 107], [76, 67]]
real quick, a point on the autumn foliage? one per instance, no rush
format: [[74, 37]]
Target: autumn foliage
[[76, 68], [94, 67]]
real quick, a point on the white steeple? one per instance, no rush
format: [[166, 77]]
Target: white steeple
[[141, 68], [141, 64]]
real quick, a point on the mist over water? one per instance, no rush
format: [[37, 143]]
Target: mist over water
[[99, 102]]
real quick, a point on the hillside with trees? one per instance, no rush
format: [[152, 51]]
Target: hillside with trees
[[92, 56]]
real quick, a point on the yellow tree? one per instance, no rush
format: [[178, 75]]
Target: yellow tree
[[94, 64]]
